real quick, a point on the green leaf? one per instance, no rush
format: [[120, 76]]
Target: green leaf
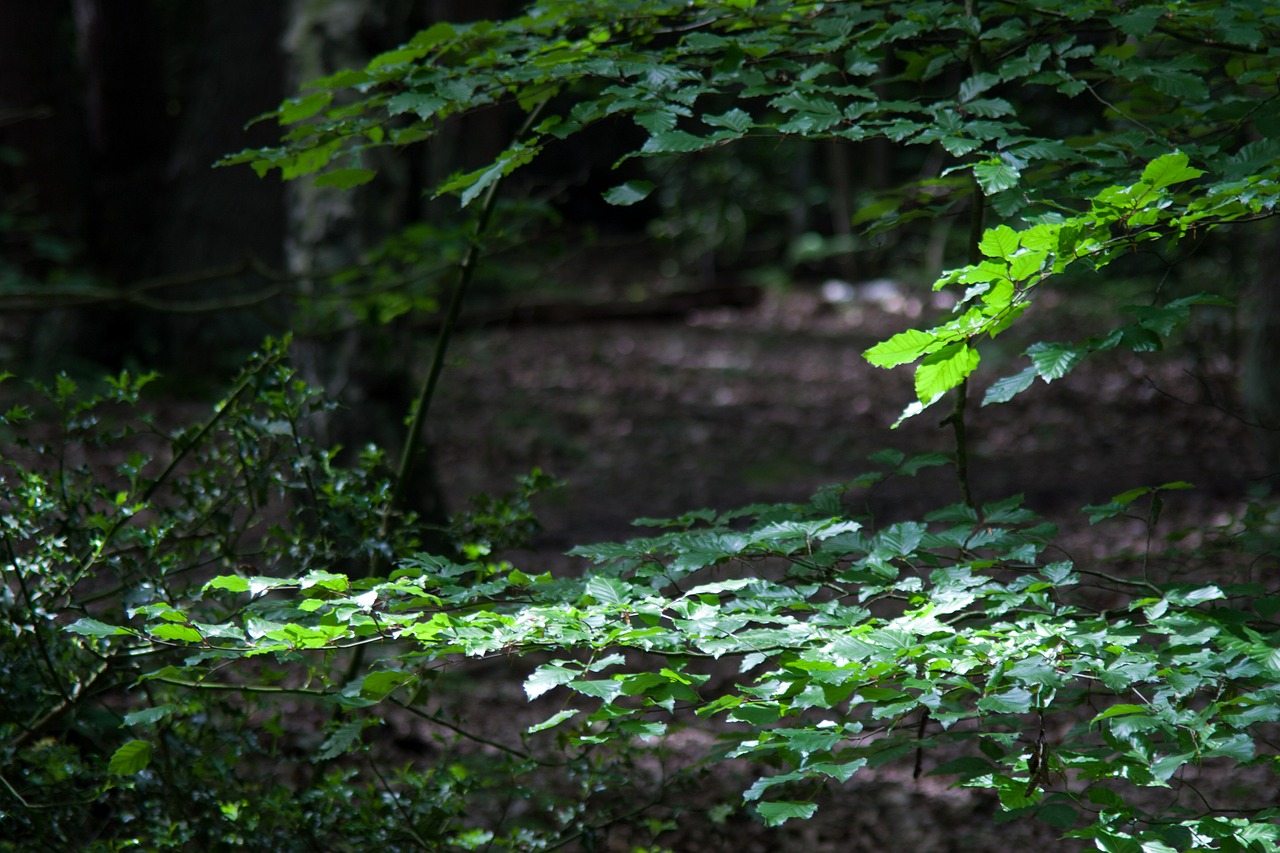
[[552, 721], [901, 348], [757, 714], [546, 677], [1014, 793], [471, 184], [1168, 170], [1100, 512], [914, 408], [1026, 264], [1120, 711], [423, 105], [1109, 842], [996, 176], [1054, 361], [379, 684], [735, 119], [296, 109], [900, 539], [678, 142], [343, 739], [1004, 390], [259, 584], [145, 716], [179, 633], [1238, 747], [1057, 815], [93, 628], [608, 590], [1179, 84], [945, 369], [629, 193], [326, 580], [233, 583], [1137, 22], [1015, 701], [999, 242], [764, 783], [345, 179], [775, 814], [130, 759], [307, 161], [976, 85], [600, 688]]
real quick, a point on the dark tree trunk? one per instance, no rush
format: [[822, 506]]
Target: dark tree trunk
[[43, 152], [129, 131], [233, 70], [120, 109], [40, 113], [369, 371]]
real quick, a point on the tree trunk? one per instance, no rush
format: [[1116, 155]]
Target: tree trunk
[[119, 109], [328, 229]]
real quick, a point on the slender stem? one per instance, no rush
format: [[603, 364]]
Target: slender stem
[[421, 407], [956, 419], [920, 729], [414, 433], [605, 824], [440, 721], [241, 688], [406, 819], [977, 216]]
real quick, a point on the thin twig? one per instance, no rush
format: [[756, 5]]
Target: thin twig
[[432, 718]]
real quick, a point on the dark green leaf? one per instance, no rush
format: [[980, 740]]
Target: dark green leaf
[[144, 716], [629, 193], [1054, 361], [1004, 390], [342, 739], [775, 814], [94, 628], [345, 179]]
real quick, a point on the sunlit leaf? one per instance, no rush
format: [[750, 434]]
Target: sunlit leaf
[[130, 759], [943, 370], [345, 179]]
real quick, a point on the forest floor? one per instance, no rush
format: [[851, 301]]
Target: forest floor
[[732, 406], [735, 406]]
